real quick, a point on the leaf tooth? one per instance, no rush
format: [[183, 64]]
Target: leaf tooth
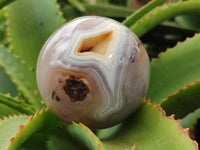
[[8, 37], [180, 90], [11, 116], [171, 117], [178, 122], [150, 102], [162, 111], [21, 126], [29, 120], [179, 43], [31, 117], [12, 138], [171, 95], [186, 131]]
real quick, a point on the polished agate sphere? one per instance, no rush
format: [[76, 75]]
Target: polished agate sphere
[[93, 70]]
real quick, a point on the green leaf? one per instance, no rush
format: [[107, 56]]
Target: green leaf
[[189, 21], [107, 10], [15, 103], [191, 119], [46, 122], [73, 137], [3, 29], [7, 86], [183, 102], [159, 14], [149, 128], [60, 140], [85, 136], [77, 5], [174, 69], [101, 1], [8, 129], [141, 12], [22, 76], [35, 142], [5, 2], [6, 110], [30, 23], [43, 121], [108, 132]]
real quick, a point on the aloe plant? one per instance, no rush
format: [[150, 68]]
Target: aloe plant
[[168, 117]]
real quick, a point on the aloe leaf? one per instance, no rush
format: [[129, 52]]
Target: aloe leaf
[[8, 129], [191, 119], [62, 141], [149, 128], [30, 23], [35, 142], [183, 102], [45, 120], [17, 104], [163, 36], [77, 5], [108, 132], [3, 29], [159, 14], [7, 86], [107, 10], [189, 21], [174, 69], [6, 110], [85, 136], [141, 12], [5, 2], [73, 137], [22, 76]]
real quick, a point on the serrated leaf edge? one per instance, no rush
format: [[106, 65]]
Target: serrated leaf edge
[[22, 126], [36, 92], [178, 122], [182, 89], [11, 116], [177, 44], [92, 135]]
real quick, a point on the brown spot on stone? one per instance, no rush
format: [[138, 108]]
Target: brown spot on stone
[[60, 81], [76, 89]]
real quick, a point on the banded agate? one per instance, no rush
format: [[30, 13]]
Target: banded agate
[[93, 70]]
